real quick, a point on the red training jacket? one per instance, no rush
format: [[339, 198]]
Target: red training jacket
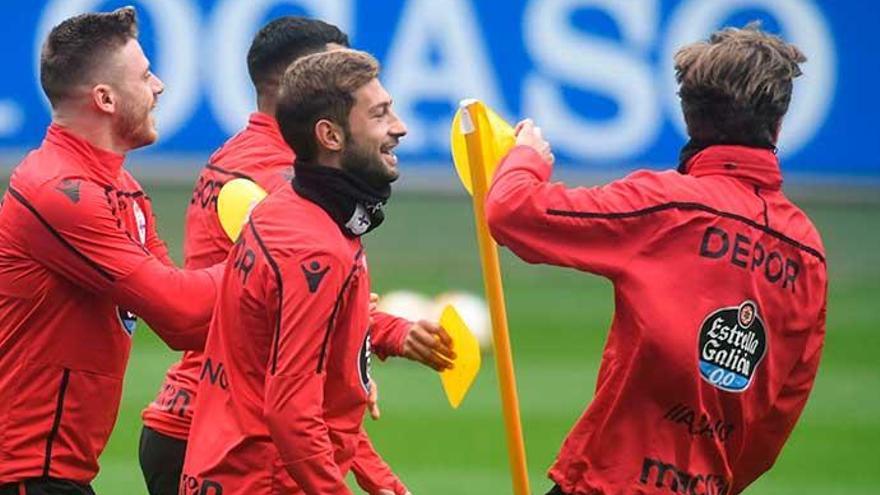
[[257, 153], [720, 292], [284, 386], [79, 258], [260, 154]]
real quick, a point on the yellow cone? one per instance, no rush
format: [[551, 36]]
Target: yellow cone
[[496, 144], [235, 202], [458, 380]]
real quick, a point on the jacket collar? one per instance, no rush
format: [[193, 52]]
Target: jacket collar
[[759, 166], [266, 125], [101, 163]]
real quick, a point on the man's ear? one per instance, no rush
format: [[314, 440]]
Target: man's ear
[[329, 135], [104, 98]]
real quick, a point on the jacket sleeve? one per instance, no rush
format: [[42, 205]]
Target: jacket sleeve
[[83, 242], [596, 229], [768, 435], [371, 472], [294, 402], [388, 334]]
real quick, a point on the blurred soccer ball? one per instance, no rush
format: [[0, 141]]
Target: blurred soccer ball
[[407, 304], [473, 311]]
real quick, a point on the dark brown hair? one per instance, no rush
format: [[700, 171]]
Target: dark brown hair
[[79, 45], [320, 86], [736, 87]]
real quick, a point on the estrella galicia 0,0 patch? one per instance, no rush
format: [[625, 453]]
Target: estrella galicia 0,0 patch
[[128, 320], [732, 344]]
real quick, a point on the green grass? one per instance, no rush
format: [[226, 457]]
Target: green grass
[[558, 319]]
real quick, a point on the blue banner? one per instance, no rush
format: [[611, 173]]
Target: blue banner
[[595, 74]]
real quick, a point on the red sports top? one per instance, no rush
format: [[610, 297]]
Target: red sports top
[[257, 153], [285, 381], [719, 288], [79, 258]]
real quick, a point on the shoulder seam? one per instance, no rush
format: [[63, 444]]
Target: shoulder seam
[[90, 262]]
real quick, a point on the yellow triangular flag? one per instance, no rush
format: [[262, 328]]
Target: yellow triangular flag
[[457, 381], [496, 143], [235, 202]]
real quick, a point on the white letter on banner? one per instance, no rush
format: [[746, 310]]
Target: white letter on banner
[[801, 23], [564, 56], [176, 25], [232, 28], [464, 70]]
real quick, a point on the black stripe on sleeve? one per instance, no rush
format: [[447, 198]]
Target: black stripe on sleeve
[[90, 262], [683, 206], [233, 173], [59, 407], [336, 307], [280, 283]]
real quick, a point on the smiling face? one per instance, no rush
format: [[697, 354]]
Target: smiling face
[[374, 131], [138, 92]]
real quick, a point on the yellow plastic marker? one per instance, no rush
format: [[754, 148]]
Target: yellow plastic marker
[[485, 141], [458, 380], [235, 202], [495, 144]]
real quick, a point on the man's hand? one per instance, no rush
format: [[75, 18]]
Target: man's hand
[[527, 134], [373, 401], [429, 344]]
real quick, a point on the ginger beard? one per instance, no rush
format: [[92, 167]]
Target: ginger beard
[[134, 123]]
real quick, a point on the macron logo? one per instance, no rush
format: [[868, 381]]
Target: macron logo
[[314, 274], [70, 188]]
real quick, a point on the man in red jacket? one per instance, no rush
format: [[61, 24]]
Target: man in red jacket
[[719, 281], [285, 379], [80, 257], [258, 153]]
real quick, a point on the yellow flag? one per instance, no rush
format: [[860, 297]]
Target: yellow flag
[[458, 380], [497, 140]]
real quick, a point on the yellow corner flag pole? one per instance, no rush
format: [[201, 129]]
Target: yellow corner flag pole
[[473, 122]]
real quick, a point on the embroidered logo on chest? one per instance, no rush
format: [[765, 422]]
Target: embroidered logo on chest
[[140, 221], [128, 320], [732, 343]]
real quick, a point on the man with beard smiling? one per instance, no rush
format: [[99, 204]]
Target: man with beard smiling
[[285, 380], [258, 152], [80, 258]]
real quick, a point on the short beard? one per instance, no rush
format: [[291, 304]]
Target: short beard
[[133, 127], [367, 166]]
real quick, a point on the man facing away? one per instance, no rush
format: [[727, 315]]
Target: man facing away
[[259, 153], [286, 372], [80, 258], [719, 281]]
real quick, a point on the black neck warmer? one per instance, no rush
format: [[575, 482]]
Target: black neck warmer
[[352, 203]]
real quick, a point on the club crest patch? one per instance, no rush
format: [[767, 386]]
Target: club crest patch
[[365, 357], [732, 343], [128, 320], [141, 221]]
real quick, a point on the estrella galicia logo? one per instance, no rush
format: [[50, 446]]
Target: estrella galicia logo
[[128, 320], [365, 357], [733, 342]]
